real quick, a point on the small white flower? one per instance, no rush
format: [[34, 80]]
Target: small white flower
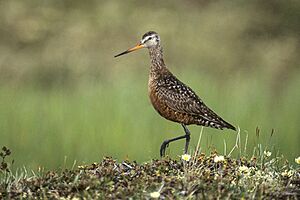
[[155, 195], [297, 160], [216, 176], [267, 153], [244, 169], [219, 159], [186, 157]]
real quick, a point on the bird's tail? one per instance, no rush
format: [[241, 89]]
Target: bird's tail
[[225, 124], [220, 124], [229, 126]]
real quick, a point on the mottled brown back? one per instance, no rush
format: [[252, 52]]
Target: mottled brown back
[[179, 103]]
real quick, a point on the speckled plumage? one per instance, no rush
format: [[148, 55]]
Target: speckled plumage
[[174, 100], [171, 98]]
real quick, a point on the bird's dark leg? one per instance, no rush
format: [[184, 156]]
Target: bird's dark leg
[[165, 144], [187, 137]]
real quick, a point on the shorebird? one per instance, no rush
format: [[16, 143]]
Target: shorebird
[[173, 99]]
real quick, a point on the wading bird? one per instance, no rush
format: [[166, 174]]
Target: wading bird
[[171, 98]]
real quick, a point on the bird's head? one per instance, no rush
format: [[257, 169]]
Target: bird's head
[[149, 40]]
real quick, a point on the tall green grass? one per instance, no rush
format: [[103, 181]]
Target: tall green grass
[[57, 126]]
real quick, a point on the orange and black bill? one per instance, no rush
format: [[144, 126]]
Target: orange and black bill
[[138, 46]]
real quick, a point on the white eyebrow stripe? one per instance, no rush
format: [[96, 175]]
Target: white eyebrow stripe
[[146, 38]]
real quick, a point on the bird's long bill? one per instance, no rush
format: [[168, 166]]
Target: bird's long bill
[[138, 46]]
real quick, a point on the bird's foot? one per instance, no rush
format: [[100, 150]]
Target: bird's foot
[[163, 147]]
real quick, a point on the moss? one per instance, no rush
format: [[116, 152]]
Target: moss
[[201, 177]]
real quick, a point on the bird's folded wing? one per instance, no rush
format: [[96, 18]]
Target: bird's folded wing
[[181, 98]]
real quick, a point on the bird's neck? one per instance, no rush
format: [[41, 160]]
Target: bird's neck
[[156, 57]]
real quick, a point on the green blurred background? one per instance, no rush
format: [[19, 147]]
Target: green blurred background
[[63, 97]]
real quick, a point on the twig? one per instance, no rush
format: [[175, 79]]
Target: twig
[[236, 142]]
